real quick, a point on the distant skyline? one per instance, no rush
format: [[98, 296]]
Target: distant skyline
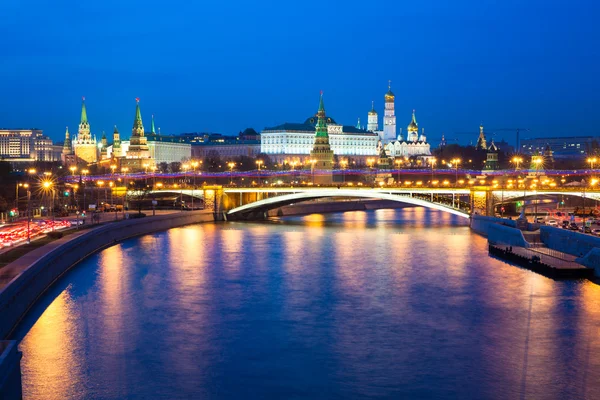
[[223, 67]]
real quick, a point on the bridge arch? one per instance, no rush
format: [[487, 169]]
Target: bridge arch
[[286, 199]]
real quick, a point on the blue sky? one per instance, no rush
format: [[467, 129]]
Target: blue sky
[[225, 66]]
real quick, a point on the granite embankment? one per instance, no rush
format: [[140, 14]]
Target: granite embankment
[[26, 279]]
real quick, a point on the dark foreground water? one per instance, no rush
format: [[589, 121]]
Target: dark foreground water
[[385, 304]]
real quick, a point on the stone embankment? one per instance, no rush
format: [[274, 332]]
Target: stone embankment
[[27, 278]]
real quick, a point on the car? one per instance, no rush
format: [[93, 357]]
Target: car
[[552, 223], [565, 224], [540, 220], [596, 232], [573, 226], [586, 229]]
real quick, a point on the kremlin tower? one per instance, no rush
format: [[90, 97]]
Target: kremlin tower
[[321, 153], [372, 121], [138, 148], [84, 144]]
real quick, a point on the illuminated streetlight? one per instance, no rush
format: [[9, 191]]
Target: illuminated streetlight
[[517, 161], [455, 161]]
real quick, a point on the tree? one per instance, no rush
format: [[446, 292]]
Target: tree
[[267, 162], [163, 167], [212, 162], [175, 166], [244, 163]]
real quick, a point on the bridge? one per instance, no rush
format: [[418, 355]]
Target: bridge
[[256, 201], [230, 202]]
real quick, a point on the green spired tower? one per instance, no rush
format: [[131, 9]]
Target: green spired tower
[[321, 154], [138, 148]]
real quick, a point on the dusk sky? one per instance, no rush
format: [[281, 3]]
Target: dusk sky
[[224, 66]]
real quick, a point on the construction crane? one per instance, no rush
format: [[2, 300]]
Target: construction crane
[[517, 130], [472, 134]]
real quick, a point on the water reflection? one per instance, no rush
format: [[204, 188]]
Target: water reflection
[[392, 303]]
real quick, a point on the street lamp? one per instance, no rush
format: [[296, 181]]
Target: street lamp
[[398, 162], [47, 186], [517, 161], [432, 161], [101, 184], [592, 161], [343, 165], [455, 161], [231, 165], [259, 164], [194, 166], [73, 169]]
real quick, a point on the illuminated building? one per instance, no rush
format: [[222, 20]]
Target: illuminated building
[[84, 145], [138, 146], [68, 155], [491, 162], [562, 147], [481, 142], [389, 117], [372, 121], [25, 145], [414, 145], [321, 153]]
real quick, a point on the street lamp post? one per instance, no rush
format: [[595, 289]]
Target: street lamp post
[[259, 164], [343, 165], [517, 161], [398, 162], [432, 160], [455, 161], [370, 162], [231, 165], [84, 172], [194, 166]]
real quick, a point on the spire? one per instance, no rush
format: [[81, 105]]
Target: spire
[[372, 112], [84, 119], [389, 96], [321, 124], [116, 131], [358, 124], [414, 119], [481, 142], [321, 104], [67, 146], [137, 122], [152, 130]]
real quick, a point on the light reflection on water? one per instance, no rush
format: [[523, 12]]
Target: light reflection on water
[[388, 303]]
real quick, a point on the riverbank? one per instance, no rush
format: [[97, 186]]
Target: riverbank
[[23, 281]]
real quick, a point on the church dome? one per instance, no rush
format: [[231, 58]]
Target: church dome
[[389, 96], [413, 126]]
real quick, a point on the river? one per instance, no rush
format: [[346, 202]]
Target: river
[[382, 304]]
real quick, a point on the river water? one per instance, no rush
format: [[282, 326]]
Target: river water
[[382, 304]]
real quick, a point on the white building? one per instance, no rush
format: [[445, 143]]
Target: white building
[[414, 145], [389, 118], [297, 139], [161, 148]]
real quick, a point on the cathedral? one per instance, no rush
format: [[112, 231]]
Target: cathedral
[[395, 145]]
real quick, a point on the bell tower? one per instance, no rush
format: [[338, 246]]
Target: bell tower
[[389, 117]]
